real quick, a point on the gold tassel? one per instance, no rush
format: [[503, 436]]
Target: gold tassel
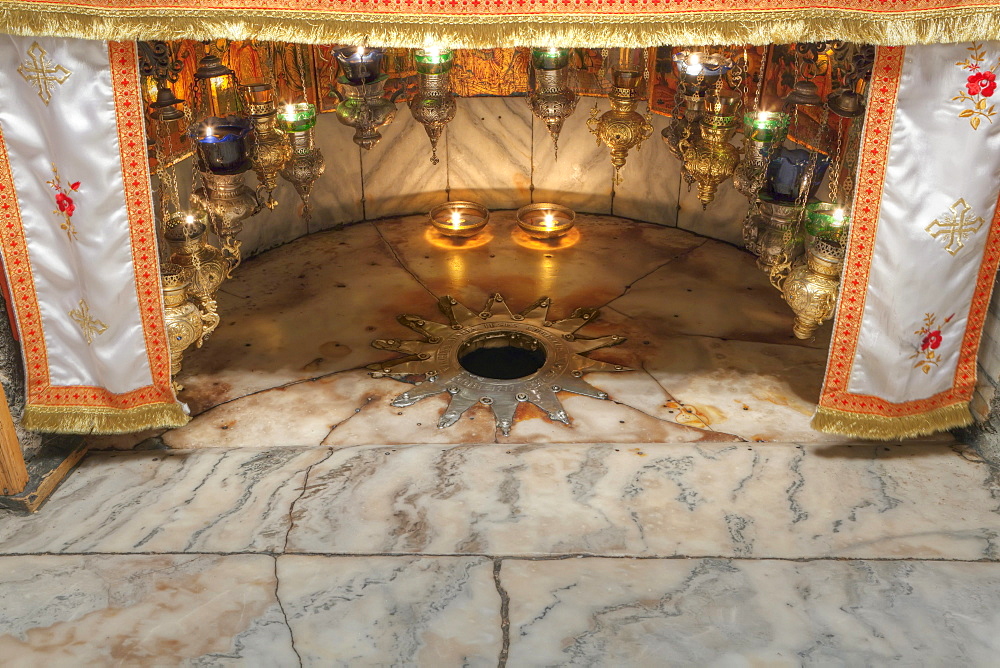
[[882, 428], [87, 420], [952, 24]]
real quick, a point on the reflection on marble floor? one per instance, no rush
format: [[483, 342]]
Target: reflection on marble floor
[[709, 338], [693, 520]]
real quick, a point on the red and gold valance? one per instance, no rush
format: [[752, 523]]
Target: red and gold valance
[[495, 23]]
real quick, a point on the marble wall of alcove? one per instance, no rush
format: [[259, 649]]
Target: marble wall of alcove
[[496, 153]]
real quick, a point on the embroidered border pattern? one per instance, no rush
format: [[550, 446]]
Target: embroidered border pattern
[[871, 174]]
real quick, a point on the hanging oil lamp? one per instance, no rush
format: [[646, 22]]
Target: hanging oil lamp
[[306, 163], [203, 265], [771, 231], [551, 99], [763, 132], [711, 158], [184, 321], [269, 151], [699, 73], [362, 105], [813, 284], [433, 106], [622, 127]]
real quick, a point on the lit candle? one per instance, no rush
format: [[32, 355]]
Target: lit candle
[[189, 220], [456, 220], [838, 216], [694, 64], [763, 117], [550, 221], [433, 54], [360, 52], [553, 51], [289, 112]]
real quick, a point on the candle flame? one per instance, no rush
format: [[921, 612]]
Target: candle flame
[[550, 221], [433, 52], [693, 64], [838, 215], [763, 116], [361, 51], [209, 131], [290, 110], [456, 220], [553, 51], [189, 220]]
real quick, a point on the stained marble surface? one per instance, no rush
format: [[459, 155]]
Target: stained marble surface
[[580, 174], [489, 152], [141, 610], [708, 338]]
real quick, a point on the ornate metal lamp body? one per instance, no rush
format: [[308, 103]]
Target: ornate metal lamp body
[[363, 108], [771, 232], [203, 265], [551, 99], [433, 106], [304, 168], [306, 163], [269, 151], [184, 320], [622, 127], [762, 133], [812, 286], [228, 201], [711, 159]]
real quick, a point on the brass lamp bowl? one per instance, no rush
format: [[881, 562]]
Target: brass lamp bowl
[[469, 222], [544, 220]]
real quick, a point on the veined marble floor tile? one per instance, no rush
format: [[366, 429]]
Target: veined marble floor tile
[[159, 501], [718, 612], [735, 500], [141, 610], [378, 611]]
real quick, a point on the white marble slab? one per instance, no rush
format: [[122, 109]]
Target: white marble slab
[[715, 290], [489, 152], [717, 612], [398, 176], [161, 501], [378, 611], [580, 176], [141, 610], [738, 500], [651, 180]]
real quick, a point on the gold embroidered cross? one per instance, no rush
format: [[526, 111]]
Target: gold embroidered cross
[[957, 226], [89, 325], [41, 72]]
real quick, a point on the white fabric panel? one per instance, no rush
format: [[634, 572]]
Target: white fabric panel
[[77, 132], [935, 158]]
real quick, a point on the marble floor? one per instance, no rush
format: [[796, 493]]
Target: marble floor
[[692, 519]]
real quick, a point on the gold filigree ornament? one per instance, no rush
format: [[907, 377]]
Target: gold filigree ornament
[[89, 325], [956, 227], [812, 286], [42, 73], [621, 128]]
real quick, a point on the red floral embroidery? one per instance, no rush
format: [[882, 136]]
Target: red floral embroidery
[[981, 83], [931, 340], [65, 206]]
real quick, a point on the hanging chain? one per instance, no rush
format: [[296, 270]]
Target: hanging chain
[[837, 156]]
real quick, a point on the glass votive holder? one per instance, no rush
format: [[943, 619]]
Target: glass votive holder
[[549, 59], [296, 117], [544, 220], [826, 220], [222, 144], [766, 126], [433, 60], [459, 219]]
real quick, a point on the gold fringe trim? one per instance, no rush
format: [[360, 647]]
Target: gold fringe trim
[[86, 420], [954, 24], [882, 428]]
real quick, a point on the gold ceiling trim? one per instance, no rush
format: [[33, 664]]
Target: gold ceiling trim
[[955, 24]]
